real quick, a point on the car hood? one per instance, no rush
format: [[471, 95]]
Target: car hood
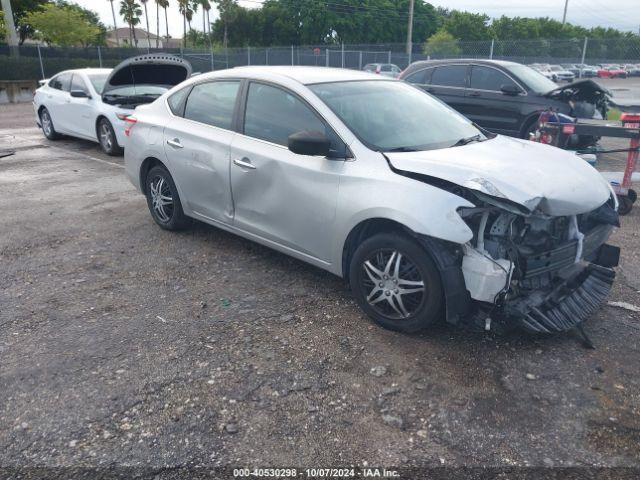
[[535, 176], [586, 87], [153, 69]]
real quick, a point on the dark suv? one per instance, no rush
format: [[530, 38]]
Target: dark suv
[[504, 97]]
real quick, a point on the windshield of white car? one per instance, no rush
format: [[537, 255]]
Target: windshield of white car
[[98, 80], [395, 116], [536, 81]]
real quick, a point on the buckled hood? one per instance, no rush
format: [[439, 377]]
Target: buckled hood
[[584, 87], [535, 176], [154, 69]]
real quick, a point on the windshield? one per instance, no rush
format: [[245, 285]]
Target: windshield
[[534, 79], [394, 116], [98, 80], [135, 90]]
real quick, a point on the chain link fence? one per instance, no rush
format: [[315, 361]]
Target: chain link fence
[[34, 62]]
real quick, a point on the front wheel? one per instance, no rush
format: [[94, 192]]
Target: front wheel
[[163, 200], [107, 138], [396, 283]]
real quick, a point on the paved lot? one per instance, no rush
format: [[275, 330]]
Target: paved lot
[[122, 344]]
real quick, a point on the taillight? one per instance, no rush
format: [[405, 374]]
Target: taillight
[[378, 70], [130, 121], [123, 116]]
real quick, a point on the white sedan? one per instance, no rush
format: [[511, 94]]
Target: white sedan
[[92, 103]]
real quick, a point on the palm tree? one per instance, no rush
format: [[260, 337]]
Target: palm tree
[[164, 4], [206, 6], [146, 17], [183, 8], [131, 12], [115, 25], [191, 10]]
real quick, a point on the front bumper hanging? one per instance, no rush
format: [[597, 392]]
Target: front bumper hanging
[[566, 312]]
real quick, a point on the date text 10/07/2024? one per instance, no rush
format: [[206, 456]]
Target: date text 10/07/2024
[[316, 473]]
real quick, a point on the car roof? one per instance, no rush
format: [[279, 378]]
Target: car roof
[[303, 75], [502, 63], [86, 70]]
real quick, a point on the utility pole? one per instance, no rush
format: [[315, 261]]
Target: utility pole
[[410, 29], [564, 15], [12, 36]]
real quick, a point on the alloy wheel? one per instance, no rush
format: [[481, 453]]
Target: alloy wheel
[[106, 137], [161, 198], [393, 284], [47, 125]]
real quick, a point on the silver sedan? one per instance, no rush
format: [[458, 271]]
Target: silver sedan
[[423, 213]]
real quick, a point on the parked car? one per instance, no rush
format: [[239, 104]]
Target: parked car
[[633, 70], [380, 183], [385, 69], [562, 74], [505, 97], [612, 71], [92, 103], [545, 70], [588, 71]]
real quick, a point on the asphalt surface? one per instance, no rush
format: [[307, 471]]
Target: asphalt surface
[[125, 345]]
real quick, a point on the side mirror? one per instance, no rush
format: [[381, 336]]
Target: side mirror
[[79, 94], [309, 143], [510, 89]]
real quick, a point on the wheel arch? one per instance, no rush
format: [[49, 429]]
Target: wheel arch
[[146, 165]]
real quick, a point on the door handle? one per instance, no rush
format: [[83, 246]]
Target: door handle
[[175, 143], [244, 163], [474, 94]]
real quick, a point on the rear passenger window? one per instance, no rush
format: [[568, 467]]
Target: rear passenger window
[[176, 101], [212, 103], [61, 82], [484, 78], [272, 114], [450, 76]]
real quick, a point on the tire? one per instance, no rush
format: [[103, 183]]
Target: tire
[[530, 127], [47, 125], [107, 138], [168, 215], [625, 205], [377, 292]]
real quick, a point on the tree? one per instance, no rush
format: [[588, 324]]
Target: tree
[[3, 29], [441, 43], [131, 12], [62, 26], [227, 10], [20, 10], [89, 15], [468, 26], [164, 4], [183, 7], [115, 24], [146, 17]]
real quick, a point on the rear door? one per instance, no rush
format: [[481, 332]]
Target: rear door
[[448, 83], [197, 142], [488, 106], [80, 112], [57, 100]]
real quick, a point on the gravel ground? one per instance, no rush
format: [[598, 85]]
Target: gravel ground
[[125, 345]]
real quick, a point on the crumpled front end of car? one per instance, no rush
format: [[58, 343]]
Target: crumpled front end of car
[[545, 273]]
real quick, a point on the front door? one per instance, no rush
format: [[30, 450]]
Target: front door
[[281, 196], [80, 112], [488, 106], [197, 142]]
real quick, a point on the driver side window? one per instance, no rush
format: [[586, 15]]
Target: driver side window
[[272, 114]]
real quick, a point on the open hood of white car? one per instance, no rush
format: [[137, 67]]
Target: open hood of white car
[[154, 69], [535, 176]]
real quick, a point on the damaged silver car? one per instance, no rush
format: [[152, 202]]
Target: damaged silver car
[[425, 214]]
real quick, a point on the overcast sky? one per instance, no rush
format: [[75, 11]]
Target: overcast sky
[[621, 14]]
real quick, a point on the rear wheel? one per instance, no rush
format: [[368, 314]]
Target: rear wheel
[[163, 200], [396, 283], [47, 125], [107, 138]]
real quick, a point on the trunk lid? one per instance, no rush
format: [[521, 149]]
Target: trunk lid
[[533, 175], [146, 73]]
